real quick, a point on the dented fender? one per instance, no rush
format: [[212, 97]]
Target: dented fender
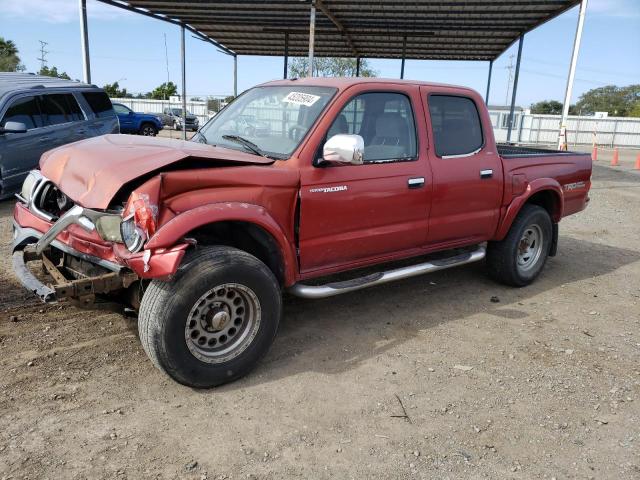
[[179, 226], [516, 204]]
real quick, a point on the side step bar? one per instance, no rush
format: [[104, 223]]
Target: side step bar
[[336, 288]]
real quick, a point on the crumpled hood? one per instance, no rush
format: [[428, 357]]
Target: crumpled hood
[[92, 171]]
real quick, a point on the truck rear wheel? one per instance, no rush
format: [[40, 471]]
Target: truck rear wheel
[[519, 258], [214, 321]]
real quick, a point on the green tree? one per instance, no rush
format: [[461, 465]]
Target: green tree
[[548, 107], [114, 91], [635, 111], [9, 59], [53, 72], [164, 91], [617, 101], [330, 67]]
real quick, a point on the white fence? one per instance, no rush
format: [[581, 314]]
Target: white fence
[[544, 129], [146, 105]]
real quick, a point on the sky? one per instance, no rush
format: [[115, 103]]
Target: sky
[[130, 48]]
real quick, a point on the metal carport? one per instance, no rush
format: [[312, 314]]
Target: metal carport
[[479, 30]]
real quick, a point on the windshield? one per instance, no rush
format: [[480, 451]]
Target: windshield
[[273, 119], [178, 111]]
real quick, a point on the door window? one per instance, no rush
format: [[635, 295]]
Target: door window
[[456, 125], [99, 103], [121, 109], [24, 110], [60, 108], [385, 122]]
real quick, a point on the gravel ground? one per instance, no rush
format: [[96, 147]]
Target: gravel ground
[[425, 378]]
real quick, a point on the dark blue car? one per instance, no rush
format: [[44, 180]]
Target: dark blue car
[[140, 123]]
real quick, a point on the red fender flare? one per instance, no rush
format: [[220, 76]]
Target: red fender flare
[[180, 226], [536, 186]]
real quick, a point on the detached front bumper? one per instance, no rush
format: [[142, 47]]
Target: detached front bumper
[[107, 276]]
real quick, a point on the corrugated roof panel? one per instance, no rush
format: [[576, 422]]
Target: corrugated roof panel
[[434, 29]]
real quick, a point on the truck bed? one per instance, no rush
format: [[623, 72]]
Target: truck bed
[[506, 150]]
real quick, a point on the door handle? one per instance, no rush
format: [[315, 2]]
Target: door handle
[[415, 182], [44, 139], [486, 173]]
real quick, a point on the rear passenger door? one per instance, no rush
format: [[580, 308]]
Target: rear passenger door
[[466, 168], [20, 152], [64, 120]]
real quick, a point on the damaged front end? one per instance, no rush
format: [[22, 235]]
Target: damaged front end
[[92, 257]]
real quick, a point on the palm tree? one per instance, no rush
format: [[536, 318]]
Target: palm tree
[[9, 59], [7, 48]]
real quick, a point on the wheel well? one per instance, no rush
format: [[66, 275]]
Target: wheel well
[[147, 122], [547, 199], [244, 236]]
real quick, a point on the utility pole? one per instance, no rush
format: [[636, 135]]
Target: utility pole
[[510, 68], [43, 54], [166, 61]]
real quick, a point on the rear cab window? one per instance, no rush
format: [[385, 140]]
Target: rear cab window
[[99, 103], [456, 126]]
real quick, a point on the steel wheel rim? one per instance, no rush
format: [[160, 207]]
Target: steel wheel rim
[[222, 323], [530, 247]]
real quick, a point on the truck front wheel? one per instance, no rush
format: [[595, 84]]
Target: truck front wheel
[[519, 258], [214, 321]]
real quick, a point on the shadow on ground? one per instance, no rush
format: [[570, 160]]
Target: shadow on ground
[[337, 334]]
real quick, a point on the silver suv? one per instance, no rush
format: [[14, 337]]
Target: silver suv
[[39, 113]]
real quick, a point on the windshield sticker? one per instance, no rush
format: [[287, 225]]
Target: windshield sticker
[[300, 98]]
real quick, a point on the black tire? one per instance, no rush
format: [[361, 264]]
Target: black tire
[[167, 312], [503, 257], [148, 130]]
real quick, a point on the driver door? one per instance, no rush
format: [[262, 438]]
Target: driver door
[[352, 215]]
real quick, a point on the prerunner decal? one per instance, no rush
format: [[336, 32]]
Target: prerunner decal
[[300, 98]]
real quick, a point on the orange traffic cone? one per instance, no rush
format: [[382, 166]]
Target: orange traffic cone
[[614, 160], [594, 153], [637, 167]]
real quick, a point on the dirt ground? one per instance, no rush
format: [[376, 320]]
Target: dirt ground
[[544, 383]]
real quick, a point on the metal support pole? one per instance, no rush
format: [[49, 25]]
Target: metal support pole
[[486, 98], [515, 89], [562, 139], [312, 34], [184, 84], [404, 51], [286, 55], [357, 66], [235, 76], [84, 38]]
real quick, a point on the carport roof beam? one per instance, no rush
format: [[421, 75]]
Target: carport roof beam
[[456, 29]]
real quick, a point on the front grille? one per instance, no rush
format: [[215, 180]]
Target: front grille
[[49, 199]]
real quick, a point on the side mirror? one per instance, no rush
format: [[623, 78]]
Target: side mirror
[[13, 127], [343, 148], [131, 112]]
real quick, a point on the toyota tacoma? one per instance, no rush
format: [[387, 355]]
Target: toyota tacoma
[[355, 182]]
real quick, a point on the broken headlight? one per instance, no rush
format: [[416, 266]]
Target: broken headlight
[[108, 227], [132, 235]]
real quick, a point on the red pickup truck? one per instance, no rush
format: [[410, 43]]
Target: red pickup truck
[[202, 237]]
